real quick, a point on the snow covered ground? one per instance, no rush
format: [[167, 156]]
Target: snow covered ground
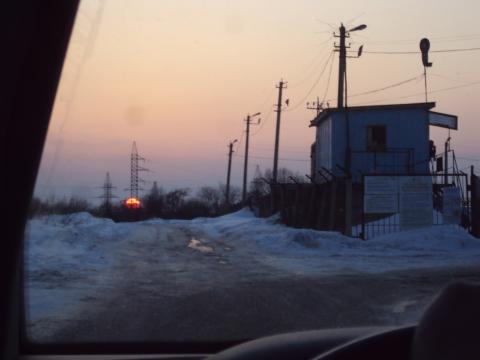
[[76, 262]]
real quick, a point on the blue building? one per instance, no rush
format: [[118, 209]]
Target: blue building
[[385, 139]]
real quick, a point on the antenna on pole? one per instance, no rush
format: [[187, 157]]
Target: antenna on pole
[[424, 47]]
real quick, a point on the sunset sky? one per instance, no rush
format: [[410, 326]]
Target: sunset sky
[[179, 77]]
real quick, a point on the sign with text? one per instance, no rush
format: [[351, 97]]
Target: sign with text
[[380, 203], [380, 184], [380, 195]]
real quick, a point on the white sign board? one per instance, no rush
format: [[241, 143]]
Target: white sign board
[[380, 184], [452, 205], [380, 203], [380, 195], [416, 201], [443, 120]]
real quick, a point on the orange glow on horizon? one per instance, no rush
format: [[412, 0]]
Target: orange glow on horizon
[[133, 203]]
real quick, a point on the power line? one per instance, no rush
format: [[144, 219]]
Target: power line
[[265, 147], [314, 84], [455, 50], [449, 78], [439, 39], [430, 92], [308, 71], [355, 18], [328, 81], [330, 25], [387, 87], [384, 88], [239, 143], [418, 52], [264, 122], [270, 158], [468, 159], [267, 99]]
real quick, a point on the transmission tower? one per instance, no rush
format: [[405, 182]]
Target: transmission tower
[[107, 193], [135, 168]]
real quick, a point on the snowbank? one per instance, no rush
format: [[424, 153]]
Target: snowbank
[[68, 258], [80, 241], [310, 251], [435, 238]]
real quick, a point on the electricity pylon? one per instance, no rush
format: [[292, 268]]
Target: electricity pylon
[[135, 168]]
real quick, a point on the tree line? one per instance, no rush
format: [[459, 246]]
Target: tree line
[[181, 203]]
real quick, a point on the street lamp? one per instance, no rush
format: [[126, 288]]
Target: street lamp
[[358, 28]]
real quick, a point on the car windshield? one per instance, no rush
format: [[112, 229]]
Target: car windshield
[[217, 171]]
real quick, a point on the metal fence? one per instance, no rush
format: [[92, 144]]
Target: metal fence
[[318, 206]]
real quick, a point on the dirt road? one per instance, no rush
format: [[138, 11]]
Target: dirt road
[[175, 282]]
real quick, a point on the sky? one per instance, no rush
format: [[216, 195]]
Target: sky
[[179, 77]]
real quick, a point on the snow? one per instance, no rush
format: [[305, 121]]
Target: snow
[[61, 255], [80, 241], [68, 257]]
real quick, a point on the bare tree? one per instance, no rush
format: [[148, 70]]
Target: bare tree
[[212, 197], [155, 201], [174, 200]]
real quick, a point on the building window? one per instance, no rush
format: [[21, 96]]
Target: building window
[[376, 138]]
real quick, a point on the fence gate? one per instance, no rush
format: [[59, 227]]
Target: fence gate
[[391, 203]]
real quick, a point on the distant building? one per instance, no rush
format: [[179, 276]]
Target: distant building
[[386, 139]]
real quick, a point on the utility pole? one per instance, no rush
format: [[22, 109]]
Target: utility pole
[[248, 120], [342, 65], [281, 85], [342, 68], [230, 153], [342, 82]]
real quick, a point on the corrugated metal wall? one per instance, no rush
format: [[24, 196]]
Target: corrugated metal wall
[[324, 144]]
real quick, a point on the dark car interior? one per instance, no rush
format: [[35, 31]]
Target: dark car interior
[[37, 35]]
